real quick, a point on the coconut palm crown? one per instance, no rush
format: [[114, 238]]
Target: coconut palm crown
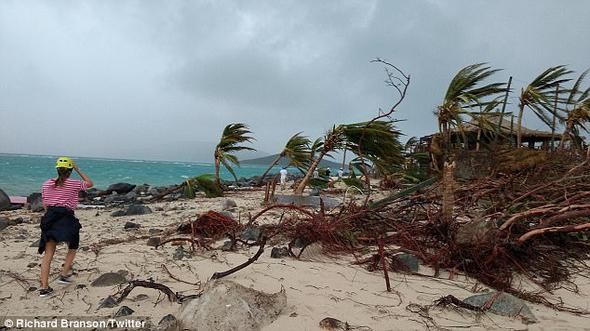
[[232, 138], [466, 91], [540, 96], [297, 150]]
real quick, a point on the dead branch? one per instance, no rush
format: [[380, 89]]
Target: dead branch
[[567, 228], [251, 260], [172, 297]]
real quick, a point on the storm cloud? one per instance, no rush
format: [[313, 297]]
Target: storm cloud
[[160, 79]]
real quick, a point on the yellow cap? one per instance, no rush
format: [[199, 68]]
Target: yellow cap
[[64, 162]]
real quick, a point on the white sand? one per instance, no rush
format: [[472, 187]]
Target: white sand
[[317, 287]]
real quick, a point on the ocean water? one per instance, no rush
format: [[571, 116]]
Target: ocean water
[[24, 174]]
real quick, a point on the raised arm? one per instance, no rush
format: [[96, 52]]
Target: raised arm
[[85, 178]]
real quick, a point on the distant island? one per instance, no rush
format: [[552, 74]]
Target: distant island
[[266, 160]]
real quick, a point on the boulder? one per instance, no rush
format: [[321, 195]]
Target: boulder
[[120, 188], [154, 241], [108, 302], [406, 262], [35, 202], [124, 311], [168, 323], [109, 279], [279, 252], [225, 305], [132, 210], [250, 233], [180, 253], [3, 223], [4, 201], [504, 304], [475, 231], [131, 225]]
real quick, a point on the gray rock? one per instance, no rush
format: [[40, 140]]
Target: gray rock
[[505, 305], [35, 244], [155, 231], [109, 279], [4, 201], [108, 302], [118, 213], [333, 324], [228, 204], [225, 305], [131, 225], [279, 252], [154, 241], [130, 196], [227, 213], [35, 202], [226, 246], [132, 210], [250, 233], [406, 262], [3, 224], [120, 188], [168, 323], [474, 232], [124, 311], [32, 264], [181, 253], [138, 210]]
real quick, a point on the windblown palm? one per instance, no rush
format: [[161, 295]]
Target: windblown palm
[[540, 96], [232, 137], [377, 141], [464, 92], [297, 150], [578, 117]]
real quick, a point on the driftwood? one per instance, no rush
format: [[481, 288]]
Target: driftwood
[[172, 297], [218, 275]]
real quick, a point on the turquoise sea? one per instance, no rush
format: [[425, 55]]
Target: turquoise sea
[[24, 174]]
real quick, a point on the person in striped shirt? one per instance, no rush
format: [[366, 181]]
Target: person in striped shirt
[[60, 198]]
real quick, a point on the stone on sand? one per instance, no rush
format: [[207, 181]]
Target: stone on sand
[[504, 304], [109, 279], [225, 305]]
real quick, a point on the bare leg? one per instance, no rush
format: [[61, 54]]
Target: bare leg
[[46, 262], [68, 262]]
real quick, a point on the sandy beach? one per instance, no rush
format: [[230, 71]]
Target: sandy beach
[[317, 286]]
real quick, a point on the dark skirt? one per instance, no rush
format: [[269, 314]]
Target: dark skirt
[[59, 224]]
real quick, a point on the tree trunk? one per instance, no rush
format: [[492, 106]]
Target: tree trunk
[[217, 179], [519, 126], [448, 200], [312, 167], [274, 162], [565, 133], [478, 140]]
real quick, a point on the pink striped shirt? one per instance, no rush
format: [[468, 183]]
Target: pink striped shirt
[[62, 196]]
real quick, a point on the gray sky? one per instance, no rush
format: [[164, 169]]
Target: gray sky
[[160, 79]]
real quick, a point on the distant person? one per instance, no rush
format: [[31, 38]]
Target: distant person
[[328, 172], [340, 173], [60, 198], [316, 173], [284, 174]]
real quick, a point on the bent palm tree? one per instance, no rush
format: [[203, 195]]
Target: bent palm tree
[[378, 142], [466, 91], [576, 118], [297, 150], [540, 96], [231, 139]]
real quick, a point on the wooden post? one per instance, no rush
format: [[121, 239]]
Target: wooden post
[[554, 115], [503, 108], [511, 126]]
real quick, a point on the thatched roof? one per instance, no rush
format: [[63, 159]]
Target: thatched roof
[[471, 126]]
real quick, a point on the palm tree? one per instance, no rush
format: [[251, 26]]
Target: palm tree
[[486, 122], [377, 140], [540, 96], [231, 139], [297, 150], [465, 91], [579, 115]]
